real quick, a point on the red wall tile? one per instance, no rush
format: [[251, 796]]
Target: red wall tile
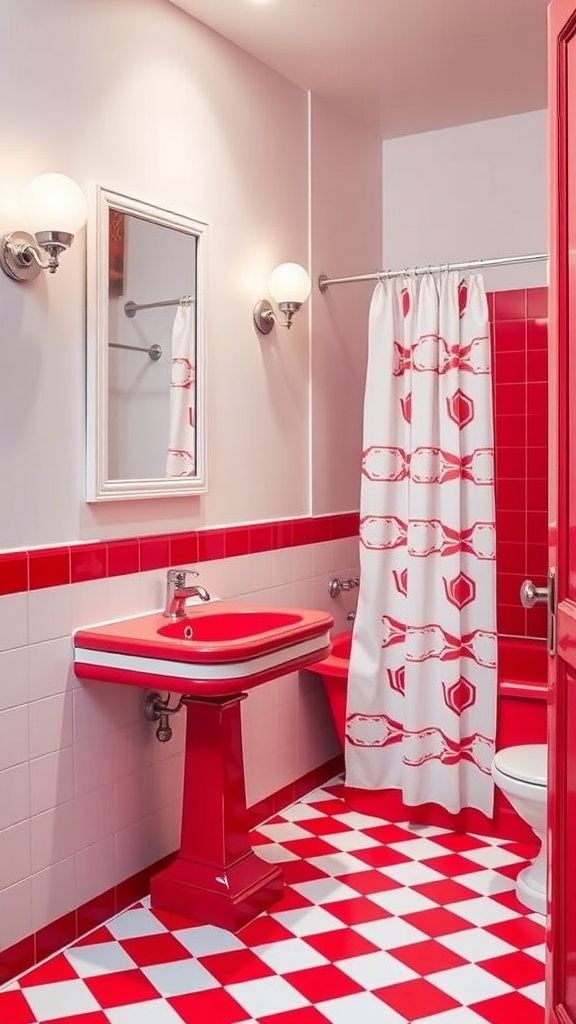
[[49, 568]]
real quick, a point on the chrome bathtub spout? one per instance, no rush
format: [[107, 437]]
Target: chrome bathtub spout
[[177, 593]]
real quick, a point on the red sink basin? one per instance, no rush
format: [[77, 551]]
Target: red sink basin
[[226, 626], [218, 649]]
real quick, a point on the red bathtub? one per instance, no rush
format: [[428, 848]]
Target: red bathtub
[[521, 718]]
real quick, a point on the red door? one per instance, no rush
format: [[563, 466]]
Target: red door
[[561, 951]]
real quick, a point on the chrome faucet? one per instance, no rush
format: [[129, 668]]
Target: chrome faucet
[[177, 593]]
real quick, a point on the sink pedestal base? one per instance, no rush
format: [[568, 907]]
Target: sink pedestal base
[[216, 878]]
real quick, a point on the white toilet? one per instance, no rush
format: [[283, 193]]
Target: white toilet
[[521, 774]]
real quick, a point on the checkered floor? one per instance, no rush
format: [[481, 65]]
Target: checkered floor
[[380, 923]]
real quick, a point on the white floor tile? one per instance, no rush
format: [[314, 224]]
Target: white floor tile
[[155, 1011], [136, 922], [419, 848], [283, 833], [205, 939], [374, 970], [535, 992], [492, 857], [401, 901], [99, 958], [356, 820], [469, 984], [273, 853], [289, 955], [459, 1015], [476, 945], [60, 999], [300, 812], [351, 840], [412, 873], [325, 890], [266, 996], [308, 921], [390, 933], [482, 911], [363, 1007], [179, 977], [488, 882], [338, 863]]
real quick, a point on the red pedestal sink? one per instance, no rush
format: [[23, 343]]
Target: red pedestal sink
[[211, 657]]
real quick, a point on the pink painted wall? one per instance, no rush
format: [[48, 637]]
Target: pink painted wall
[[183, 119], [145, 100]]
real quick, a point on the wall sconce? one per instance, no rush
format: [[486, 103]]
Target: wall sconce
[[55, 209], [289, 285]]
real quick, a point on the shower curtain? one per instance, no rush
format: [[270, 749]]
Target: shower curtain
[[181, 455], [422, 686]]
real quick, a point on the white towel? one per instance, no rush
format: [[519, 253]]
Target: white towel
[[181, 456]]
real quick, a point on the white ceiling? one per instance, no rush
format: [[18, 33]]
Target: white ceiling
[[397, 66]]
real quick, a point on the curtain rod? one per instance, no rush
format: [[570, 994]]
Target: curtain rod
[[324, 282], [131, 308], [154, 352]]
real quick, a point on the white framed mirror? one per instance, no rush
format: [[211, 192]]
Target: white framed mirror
[[146, 351]]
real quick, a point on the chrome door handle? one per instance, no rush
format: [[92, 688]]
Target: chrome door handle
[[530, 594]]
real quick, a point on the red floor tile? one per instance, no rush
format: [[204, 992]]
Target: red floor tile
[[510, 1007], [437, 922], [427, 957], [318, 983], [417, 998], [235, 966], [215, 1006], [154, 949], [14, 1008], [121, 988], [516, 969]]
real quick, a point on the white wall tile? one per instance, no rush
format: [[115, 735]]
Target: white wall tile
[[14, 683], [54, 892], [14, 741], [15, 857], [153, 589], [95, 763], [89, 603], [95, 869], [54, 835], [94, 816], [125, 597], [100, 709], [13, 621], [50, 613], [50, 724], [165, 827], [14, 795], [15, 913], [132, 798], [133, 847], [51, 669], [166, 783], [52, 780]]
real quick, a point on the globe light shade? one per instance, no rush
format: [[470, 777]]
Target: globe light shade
[[289, 282], [54, 202]]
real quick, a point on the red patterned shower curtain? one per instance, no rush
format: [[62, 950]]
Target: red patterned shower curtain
[[422, 687]]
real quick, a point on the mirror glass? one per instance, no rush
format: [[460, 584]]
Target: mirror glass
[[145, 373]]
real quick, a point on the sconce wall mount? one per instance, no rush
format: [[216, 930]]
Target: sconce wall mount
[[56, 208], [289, 285]]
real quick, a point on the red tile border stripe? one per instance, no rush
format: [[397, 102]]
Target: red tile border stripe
[[60, 565]]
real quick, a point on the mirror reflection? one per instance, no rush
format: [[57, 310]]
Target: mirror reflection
[[146, 400]]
